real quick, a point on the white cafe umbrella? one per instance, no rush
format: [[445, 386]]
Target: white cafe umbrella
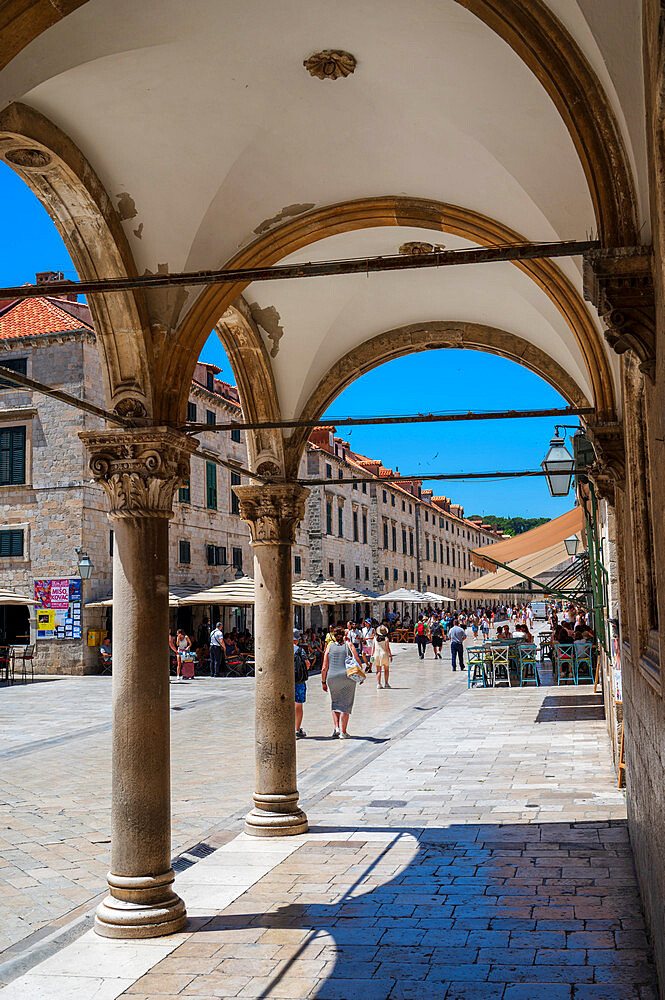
[[9, 597]]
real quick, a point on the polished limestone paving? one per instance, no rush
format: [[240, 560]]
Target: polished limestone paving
[[464, 844]]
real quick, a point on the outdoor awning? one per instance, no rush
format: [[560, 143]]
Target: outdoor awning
[[437, 598], [404, 595], [178, 592], [537, 540], [241, 592], [9, 597], [532, 565]]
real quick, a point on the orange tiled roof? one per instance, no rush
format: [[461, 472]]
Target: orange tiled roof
[[36, 318]]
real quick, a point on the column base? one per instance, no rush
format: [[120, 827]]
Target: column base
[[276, 816], [140, 908]]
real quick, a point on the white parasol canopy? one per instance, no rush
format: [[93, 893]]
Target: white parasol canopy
[[178, 592], [9, 597], [407, 596], [437, 598]]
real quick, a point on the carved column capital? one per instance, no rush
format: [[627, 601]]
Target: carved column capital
[[140, 468], [273, 512], [619, 283], [609, 469]]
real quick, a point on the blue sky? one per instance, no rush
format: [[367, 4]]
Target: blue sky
[[434, 381]]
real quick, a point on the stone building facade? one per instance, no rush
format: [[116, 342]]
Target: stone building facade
[[370, 536]]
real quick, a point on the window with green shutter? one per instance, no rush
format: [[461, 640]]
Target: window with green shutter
[[11, 543], [12, 456], [185, 492], [235, 503], [19, 365], [211, 486]]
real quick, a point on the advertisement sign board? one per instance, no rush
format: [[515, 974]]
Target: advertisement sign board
[[63, 599]]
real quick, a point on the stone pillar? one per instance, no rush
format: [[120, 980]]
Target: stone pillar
[[139, 470], [273, 513]]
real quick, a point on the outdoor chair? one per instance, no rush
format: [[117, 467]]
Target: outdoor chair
[[528, 663], [501, 665], [564, 659], [583, 661], [545, 647], [475, 662], [107, 662], [25, 658], [6, 664]]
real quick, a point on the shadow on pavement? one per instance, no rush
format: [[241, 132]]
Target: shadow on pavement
[[519, 912]]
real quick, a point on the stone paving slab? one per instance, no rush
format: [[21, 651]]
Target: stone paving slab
[[473, 886]]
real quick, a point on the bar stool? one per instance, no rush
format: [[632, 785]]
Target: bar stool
[[528, 665], [583, 661], [475, 662]]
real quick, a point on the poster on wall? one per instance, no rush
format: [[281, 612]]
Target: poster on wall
[[63, 598], [616, 669]]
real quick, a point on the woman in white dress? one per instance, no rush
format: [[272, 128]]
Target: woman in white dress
[[381, 656]]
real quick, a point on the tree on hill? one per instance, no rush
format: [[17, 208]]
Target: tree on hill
[[513, 525]]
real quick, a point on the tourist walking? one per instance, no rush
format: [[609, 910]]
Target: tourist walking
[[183, 645], [421, 637], [216, 650], [457, 637], [300, 669], [334, 678], [368, 634], [382, 656], [436, 638]]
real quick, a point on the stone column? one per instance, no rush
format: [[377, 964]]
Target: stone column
[[139, 470], [273, 513]]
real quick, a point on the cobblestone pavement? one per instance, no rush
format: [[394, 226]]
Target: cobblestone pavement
[[55, 784], [482, 853]]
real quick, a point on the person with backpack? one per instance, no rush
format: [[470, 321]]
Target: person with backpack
[[300, 670], [436, 638], [421, 637]]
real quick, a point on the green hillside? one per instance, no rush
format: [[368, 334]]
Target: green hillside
[[513, 525]]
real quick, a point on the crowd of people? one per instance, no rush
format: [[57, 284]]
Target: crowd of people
[[224, 652]]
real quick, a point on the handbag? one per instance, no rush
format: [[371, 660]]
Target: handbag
[[353, 670]]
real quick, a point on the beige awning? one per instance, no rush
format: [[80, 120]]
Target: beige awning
[[537, 540], [9, 597], [532, 565], [178, 592]]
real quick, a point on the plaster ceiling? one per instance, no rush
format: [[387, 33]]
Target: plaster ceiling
[[201, 120]]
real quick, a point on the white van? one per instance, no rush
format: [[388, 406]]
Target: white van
[[539, 610]]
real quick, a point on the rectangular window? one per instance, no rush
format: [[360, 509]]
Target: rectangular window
[[395, 575], [12, 456], [297, 564], [357, 572], [184, 555], [191, 413], [329, 517], [440, 522], [11, 543], [235, 436], [365, 529], [433, 550], [447, 555], [385, 534], [328, 471], [340, 522], [410, 511], [392, 499], [210, 381], [237, 558], [340, 474], [355, 486], [427, 549], [185, 492], [405, 577], [19, 365], [385, 572], [412, 576], [403, 505], [364, 487], [436, 583], [331, 571], [235, 503], [385, 497], [428, 581], [216, 555], [342, 570], [427, 515], [356, 536], [367, 572], [111, 540], [211, 417], [211, 486], [394, 534], [404, 541], [410, 543]]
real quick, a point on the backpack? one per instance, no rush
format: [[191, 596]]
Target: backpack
[[420, 628], [299, 667], [437, 632]]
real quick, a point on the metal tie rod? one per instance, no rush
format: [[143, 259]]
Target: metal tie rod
[[313, 269], [23, 382], [423, 477], [416, 418]]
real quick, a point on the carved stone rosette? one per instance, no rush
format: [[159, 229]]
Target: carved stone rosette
[[139, 468], [273, 512], [619, 283]]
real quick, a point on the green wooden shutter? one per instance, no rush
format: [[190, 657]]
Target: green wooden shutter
[[211, 486]]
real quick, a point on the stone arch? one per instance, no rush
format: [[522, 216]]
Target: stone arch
[[249, 360], [413, 213], [425, 337], [75, 199], [21, 21]]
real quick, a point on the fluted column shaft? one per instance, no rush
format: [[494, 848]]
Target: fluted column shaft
[[140, 470], [273, 513]]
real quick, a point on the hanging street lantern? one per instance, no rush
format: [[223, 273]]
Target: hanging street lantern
[[558, 467], [572, 544], [84, 565]]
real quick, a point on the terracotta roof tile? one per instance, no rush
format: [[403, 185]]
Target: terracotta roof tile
[[36, 318]]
